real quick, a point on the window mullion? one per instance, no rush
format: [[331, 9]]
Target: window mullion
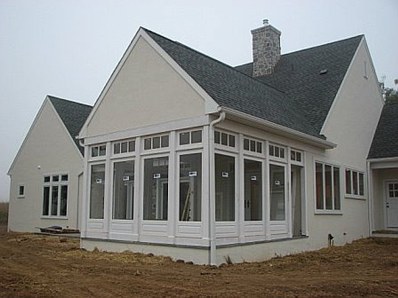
[[323, 187], [332, 186]]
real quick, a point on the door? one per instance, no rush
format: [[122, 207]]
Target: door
[[296, 189], [278, 194], [392, 204]]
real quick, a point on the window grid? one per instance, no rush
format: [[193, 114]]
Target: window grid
[[156, 142], [251, 145], [55, 195], [327, 186], [123, 147], [98, 150], [224, 139], [277, 151], [354, 183], [190, 137]]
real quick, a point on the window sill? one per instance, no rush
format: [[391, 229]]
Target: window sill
[[355, 197], [328, 212], [53, 217], [20, 197]]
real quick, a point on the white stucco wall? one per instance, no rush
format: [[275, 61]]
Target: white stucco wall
[[146, 91], [49, 146]]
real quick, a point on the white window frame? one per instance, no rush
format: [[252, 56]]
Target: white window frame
[[324, 210], [97, 157], [253, 153], [155, 150], [227, 147], [295, 161], [59, 184], [352, 195], [19, 195], [276, 158], [124, 154], [190, 145]]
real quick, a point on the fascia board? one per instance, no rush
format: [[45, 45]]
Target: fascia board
[[280, 130]]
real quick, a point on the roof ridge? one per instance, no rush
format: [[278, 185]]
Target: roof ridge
[[215, 60]]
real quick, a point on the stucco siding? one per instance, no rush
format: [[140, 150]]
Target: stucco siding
[[48, 149], [353, 118], [147, 90]]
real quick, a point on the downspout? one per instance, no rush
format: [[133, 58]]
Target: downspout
[[212, 197]]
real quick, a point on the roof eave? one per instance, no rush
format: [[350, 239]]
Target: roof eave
[[278, 129]]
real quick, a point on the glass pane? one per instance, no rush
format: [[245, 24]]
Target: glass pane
[[253, 190], [21, 190], [276, 149], [293, 155], [55, 178], [165, 141], [231, 140], [147, 143], [196, 136], [217, 138], [116, 148], [224, 139], [225, 187], [282, 152], [190, 187], [54, 200], [319, 186], [97, 191], [47, 179], [155, 142], [253, 146], [94, 151], [123, 190], [336, 181], [271, 150], [102, 150], [131, 146], [347, 181], [259, 147], [156, 179], [246, 143], [328, 187], [64, 200], [123, 147], [277, 192], [64, 178], [184, 138], [46, 199], [355, 182], [361, 184], [298, 156]]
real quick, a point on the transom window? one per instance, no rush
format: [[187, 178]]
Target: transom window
[[99, 150], [224, 139], [276, 151], [296, 156], [354, 183], [55, 195], [190, 137], [125, 146], [327, 186], [156, 142], [252, 145]]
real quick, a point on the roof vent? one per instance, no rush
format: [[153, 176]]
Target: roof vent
[[323, 71]]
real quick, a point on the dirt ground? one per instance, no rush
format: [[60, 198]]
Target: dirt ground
[[53, 266]]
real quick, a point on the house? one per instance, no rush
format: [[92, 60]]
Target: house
[[383, 171], [188, 157], [46, 174]]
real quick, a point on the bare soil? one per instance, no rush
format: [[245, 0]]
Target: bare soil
[[55, 266]]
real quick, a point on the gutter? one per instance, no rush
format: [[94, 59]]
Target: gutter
[[212, 196], [281, 130]]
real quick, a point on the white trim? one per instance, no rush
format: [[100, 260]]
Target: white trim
[[280, 129], [210, 105]]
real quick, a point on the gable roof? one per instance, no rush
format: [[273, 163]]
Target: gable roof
[[385, 140], [312, 77], [233, 89], [72, 114]]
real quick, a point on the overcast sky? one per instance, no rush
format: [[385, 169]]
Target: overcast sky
[[69, 48]]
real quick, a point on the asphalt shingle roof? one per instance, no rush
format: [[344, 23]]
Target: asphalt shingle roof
[[385, 140], [234, 89], [72, 114], [298, 74]]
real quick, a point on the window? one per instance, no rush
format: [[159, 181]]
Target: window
[[21, 191], [97, 151], [156, 142], [126, 146], [253, 190], [354, 183], [277, 192], [296, 156], [224, 139], [277, 151], [97, 187], [156, 179], [55, 195], [225, 187], [123, 190], [252, 145], [327, 179], [190, 187], [190, 137]]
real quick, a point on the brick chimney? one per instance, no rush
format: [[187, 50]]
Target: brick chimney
[[266, 49]]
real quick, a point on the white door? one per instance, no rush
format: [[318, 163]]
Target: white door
[[392, 204]]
